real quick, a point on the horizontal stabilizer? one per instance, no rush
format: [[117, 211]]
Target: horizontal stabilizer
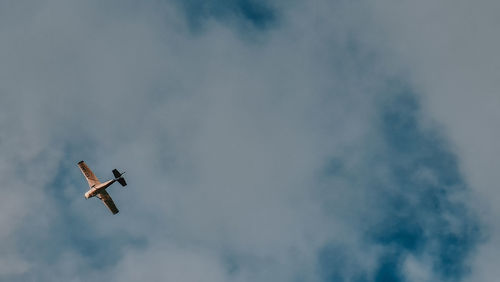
[[121, 180]]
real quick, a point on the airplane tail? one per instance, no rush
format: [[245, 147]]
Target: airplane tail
[[119, 177]]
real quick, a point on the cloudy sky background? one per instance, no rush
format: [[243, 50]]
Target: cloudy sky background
[[263, 140]]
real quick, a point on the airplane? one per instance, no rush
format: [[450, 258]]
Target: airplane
[[98, 189]]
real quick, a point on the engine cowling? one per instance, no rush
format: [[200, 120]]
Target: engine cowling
[[91, 193]]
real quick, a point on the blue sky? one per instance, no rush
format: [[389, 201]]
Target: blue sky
[[263, 140]]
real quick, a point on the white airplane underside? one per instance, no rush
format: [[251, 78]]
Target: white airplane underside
[[98, 189]]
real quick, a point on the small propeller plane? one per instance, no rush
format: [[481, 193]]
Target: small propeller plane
[[99, 189]]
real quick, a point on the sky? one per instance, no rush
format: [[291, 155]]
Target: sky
[[273, 140]]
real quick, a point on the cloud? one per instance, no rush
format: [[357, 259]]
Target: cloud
[[450, 54], [273, 144]]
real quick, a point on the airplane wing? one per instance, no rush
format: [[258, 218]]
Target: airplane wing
[[106, 199], [89, 175]]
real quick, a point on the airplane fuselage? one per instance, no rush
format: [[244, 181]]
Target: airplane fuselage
[[98, 188]]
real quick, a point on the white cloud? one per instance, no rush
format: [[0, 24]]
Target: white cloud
[[417, 270], [13, 266], [169, 264], [222, 136]]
